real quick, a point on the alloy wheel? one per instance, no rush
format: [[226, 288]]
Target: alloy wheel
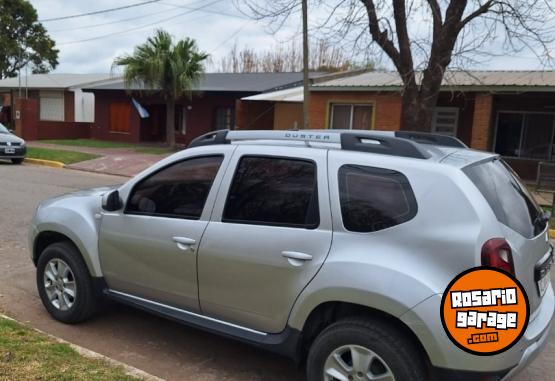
[[356, 363], [59, 284]]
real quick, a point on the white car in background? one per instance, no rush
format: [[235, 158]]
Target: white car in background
[[11, 147]]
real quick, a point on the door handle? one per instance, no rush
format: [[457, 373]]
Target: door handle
[[184, 243], [296, 258]]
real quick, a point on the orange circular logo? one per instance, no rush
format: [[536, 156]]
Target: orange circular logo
[[484, 311]]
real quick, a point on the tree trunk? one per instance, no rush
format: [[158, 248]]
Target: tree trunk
[[418, 106], [170, 122]]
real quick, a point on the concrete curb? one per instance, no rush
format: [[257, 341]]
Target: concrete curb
[[47, 163], [129, 370]]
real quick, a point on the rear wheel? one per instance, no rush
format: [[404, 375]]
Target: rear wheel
[[364, 350], [17, 161], [64, 284]]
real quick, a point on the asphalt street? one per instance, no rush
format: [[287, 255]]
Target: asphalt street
[[155, 345]]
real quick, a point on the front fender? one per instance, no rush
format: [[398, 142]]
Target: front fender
[[73, 217]]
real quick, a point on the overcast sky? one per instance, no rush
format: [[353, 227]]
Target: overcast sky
[[89, 44]]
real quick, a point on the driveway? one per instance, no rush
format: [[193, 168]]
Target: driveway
[[155, 345], [112, 161]]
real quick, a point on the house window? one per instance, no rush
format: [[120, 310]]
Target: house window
[[51, 105], [345, 116], [445, 120], [120, 117], [527, 135], [225, 118]]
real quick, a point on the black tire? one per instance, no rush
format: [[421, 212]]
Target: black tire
[[86, 298], [400, 354], [17, 161]]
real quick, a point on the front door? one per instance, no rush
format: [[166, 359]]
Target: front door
[[268, 237], [149, 250]]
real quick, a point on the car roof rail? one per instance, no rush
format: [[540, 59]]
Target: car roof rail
[[430, 138], [213, 137], [385, 145], [362, 141]]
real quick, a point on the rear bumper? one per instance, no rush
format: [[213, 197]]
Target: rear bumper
[[425, 322]]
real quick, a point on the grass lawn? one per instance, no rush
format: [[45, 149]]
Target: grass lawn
[[88, 143], [28, 355], [66, 157], [107, 144]]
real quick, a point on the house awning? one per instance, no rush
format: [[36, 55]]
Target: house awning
[[293, 95]]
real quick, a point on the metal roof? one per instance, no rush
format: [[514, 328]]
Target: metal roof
[[52, 81], [293, 95], [453, 80], [229, 82]]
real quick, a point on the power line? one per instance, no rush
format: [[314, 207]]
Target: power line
[[230, 37], [90, 26], [217, 12], [140, 27], [100, 11], [174, 6]]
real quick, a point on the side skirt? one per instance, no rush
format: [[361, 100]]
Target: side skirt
[[285, 343]]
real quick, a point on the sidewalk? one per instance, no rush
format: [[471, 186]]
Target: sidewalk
[[113, 161]]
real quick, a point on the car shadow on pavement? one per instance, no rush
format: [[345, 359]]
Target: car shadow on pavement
[[178, 352]]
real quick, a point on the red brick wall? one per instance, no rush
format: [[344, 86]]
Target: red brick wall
[[200, 111], [482, 121], [254, 115], [26, 117], [69, 106], [101, 126], [63, 130], [387, 106]]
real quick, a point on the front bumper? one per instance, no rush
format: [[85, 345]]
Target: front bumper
[[19, 153], [425, 322]]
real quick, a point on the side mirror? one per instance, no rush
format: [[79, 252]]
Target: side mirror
[[111, 201]]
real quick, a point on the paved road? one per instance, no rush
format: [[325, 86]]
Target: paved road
[[160, 347]]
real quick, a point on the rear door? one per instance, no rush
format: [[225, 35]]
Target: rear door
[[268, 236], [520, 219]]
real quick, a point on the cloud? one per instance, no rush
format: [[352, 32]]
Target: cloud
[[217, 27]]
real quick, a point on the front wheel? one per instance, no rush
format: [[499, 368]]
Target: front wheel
[[17, 161], [364, 350], [64, 284]]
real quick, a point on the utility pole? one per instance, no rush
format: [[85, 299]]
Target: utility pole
[[306, 80]]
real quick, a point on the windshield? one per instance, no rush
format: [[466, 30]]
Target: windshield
[[3, 130], [510, 200]]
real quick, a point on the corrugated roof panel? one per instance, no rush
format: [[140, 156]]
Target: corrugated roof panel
[[485, 79], [52, 81]]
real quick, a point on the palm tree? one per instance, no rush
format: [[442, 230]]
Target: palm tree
[[160, 65]]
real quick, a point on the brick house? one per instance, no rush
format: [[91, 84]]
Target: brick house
[[212, 106], [49, 106], [509, 112]]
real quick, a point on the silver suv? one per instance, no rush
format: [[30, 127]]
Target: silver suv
[[331, 247]]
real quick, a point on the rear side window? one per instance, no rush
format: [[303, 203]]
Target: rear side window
[[273, 191], [179, 190], [508, 198], [374, 199]]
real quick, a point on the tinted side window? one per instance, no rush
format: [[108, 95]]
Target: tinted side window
[[179, 190], [508, 198], [273, 191], [373, 199]]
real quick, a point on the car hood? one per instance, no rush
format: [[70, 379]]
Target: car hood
[[4, 138], [77, 196]]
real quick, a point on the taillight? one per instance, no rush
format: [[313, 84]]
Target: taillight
[[497, 253]]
